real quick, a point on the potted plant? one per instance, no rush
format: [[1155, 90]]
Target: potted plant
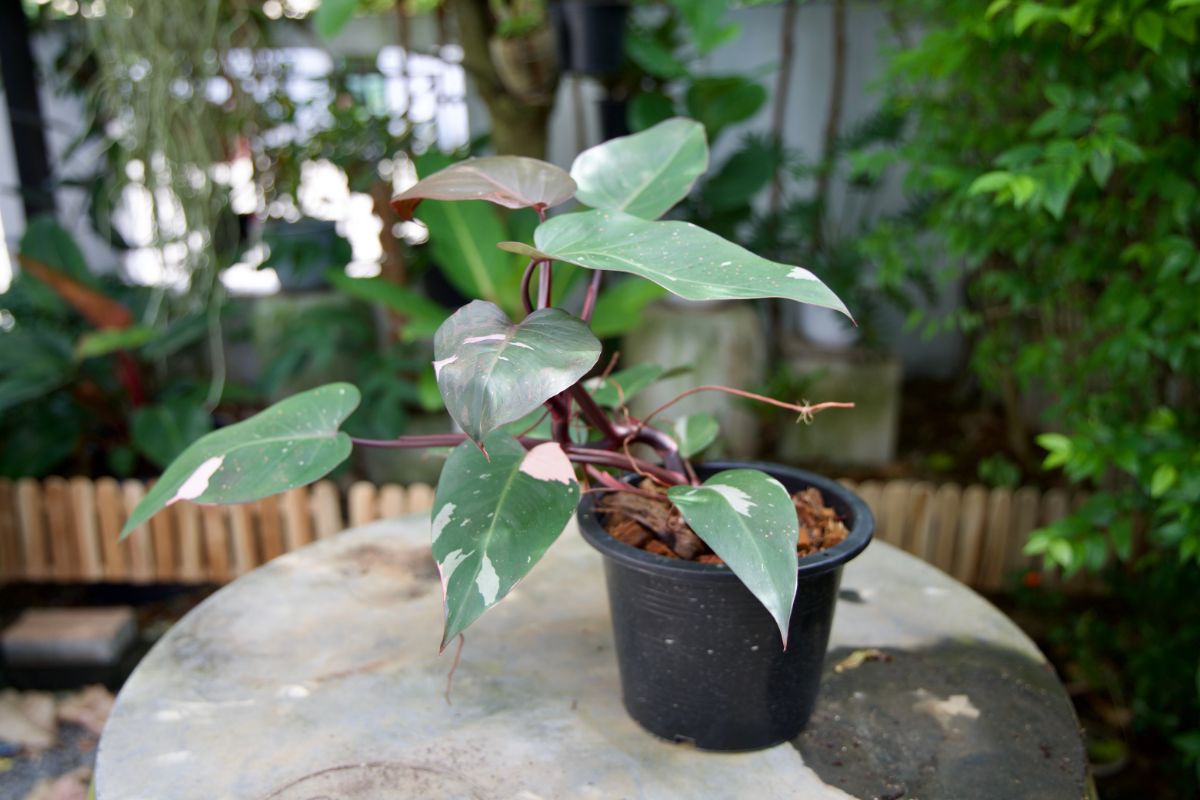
[[726, 655]]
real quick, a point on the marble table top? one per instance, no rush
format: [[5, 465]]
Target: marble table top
[[317, 676]]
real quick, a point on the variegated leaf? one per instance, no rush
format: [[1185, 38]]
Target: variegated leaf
[[682, 258], [509, 181], [294, 442], [494, 516], [491, 371], [748, 519], [646, 173]]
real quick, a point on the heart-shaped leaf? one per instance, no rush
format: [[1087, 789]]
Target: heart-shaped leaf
[[491, 371], [643, 174], [494, 516], [509, 181], [294, 442], [693, 433], [682, 258], [748, 519]]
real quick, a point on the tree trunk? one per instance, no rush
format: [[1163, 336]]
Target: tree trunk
[[517, 128]]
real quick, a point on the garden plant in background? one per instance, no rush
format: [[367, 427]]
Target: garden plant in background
[[535, 432], [1055, 148]]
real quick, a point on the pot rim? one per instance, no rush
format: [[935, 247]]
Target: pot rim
[[862, 529]]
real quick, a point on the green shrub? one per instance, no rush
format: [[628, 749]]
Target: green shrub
[[1056, 147]]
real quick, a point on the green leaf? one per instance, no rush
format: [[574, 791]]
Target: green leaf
[[48, 242], [643, 174], [422, 315], [105, 342], [1059, 448], [705, 18], [1030, 13], [493, 519], [161, 432], [990, 182], [619, 309], [648, 109], [1148, 28], [748, 519], [653, 57], [178, 334], [1100, 162], [695, 432], [294, 442], [491, 371], [745, 174], [509, 181], [617, 389], [682, 258], [1163, 479], [332, 15], [462, 237], [723, 101]]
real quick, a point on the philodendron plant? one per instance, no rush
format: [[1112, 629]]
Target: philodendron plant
[[535, 432]]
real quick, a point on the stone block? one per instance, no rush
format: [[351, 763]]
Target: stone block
[[863, 435], [69, 637]]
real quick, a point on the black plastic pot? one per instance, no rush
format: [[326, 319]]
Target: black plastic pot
[[700, 658], [591, 34]]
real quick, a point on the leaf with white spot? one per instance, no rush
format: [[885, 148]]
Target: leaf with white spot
[[491, 371], [749, 520], [509, 181], [693, 433], [493, 519], [646, 173], [680, 257], [294, 442]]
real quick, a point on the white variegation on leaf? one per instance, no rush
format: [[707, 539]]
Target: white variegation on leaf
[[494, 516], [646, 173], [491, 371], [748, 519], [680, 257], [509, 181], [294, 442]]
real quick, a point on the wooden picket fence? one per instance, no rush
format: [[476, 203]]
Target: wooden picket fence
[[59, 530]]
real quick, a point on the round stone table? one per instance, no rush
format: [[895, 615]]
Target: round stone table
[[317, 677]]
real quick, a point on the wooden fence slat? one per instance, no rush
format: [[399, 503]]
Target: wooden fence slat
[[11, 563], [969, 546], [947, 503], [190, 544], [83, 499], [216, 543], [326, 509], [1026, 502], [245, 556], [110, 512], [871, 493], [919, 524], [361, 503], [270, 528], [420, 498], [140, 550], [892, 516], [64, 542], [162, 531], [992, 572], [33, 529], [393, 501], [297, 518]]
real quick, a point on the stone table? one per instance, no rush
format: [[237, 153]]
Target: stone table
[[317, 676]]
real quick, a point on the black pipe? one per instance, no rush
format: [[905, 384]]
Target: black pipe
[[25, 110]]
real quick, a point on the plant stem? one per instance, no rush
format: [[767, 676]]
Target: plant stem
[[804, 410], [545, 280], [593, 291], [526, 279], [595, 415]]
